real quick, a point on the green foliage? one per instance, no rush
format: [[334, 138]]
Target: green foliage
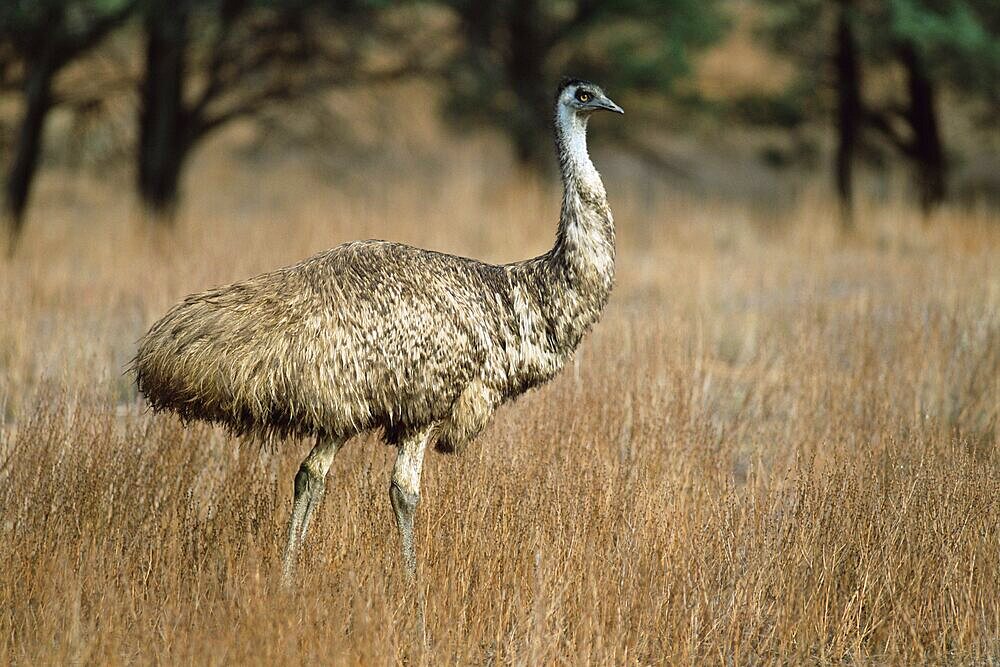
[[648, 45], [958, 39], [514, 51], [958, 42], [62, 26], [76, 15]]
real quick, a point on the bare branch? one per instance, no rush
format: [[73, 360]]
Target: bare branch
[[882, 122], [69, 47], [283, 91], [293, 58]]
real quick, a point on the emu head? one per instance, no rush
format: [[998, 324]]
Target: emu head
[[582, 98]]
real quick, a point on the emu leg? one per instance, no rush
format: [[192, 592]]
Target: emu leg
[[310, 482], [404, 492]]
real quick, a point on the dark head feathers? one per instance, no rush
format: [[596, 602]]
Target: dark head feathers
[[570, 81]]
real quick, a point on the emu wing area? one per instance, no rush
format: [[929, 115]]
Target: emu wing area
[[367, 334]]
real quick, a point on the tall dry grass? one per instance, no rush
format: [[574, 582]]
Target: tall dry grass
[[779, 446]]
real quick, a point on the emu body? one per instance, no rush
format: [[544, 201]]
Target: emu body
[[375, 334], [369, 334]]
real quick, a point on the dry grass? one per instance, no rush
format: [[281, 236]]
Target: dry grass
[[777, 447]]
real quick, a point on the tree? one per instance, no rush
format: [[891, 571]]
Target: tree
[[514, 51], [938, 43], [953, 43], [239, 58], [823, 39], [38, 38], [850, 112], [922, 140]]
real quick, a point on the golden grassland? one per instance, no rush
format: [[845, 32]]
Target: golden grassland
[[778, 446]]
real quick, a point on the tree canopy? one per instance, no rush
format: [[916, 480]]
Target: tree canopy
[[513, 50]]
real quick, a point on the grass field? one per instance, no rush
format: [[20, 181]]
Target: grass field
[[778, 446]]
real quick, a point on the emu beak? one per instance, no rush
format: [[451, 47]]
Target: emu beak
[[607, 104]]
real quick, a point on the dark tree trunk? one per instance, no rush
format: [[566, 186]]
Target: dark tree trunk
[[531, 125], [163, 129], [849, 111], [927, 150], [531, 119], [21, 175]]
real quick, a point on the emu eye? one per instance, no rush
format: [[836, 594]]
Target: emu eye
[[583, 96]]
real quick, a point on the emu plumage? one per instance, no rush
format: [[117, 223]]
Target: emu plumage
[[375, 334]]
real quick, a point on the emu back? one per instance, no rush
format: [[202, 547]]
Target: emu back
[[335, 345]]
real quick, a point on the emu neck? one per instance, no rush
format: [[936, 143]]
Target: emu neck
[[558, 296], [584, 251]]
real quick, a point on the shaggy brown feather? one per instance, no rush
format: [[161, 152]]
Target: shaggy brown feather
[[377, 334]]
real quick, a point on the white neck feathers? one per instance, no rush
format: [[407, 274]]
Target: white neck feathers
[[574, 160]]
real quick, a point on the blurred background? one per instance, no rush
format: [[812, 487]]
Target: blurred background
[[175, 110], [779, 445]]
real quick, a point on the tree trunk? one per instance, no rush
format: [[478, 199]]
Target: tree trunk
[[927, 149], [849, 111], [163, 131], [531, 127], [532, 118], [21, 176]]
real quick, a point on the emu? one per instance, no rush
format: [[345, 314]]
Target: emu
[[375, 334]]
